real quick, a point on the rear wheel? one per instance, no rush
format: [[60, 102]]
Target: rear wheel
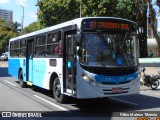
[[59, 97], [22, 83], [155, 85]]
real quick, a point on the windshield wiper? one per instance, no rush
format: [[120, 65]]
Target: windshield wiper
[[123, 40], [102, 37]]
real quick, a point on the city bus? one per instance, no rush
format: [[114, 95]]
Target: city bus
[[84, 58]]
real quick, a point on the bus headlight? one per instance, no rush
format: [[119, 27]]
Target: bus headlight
[[85, 77], [90, 81]]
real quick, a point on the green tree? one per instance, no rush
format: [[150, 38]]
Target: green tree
[[52, 12], [33, 27], [56, 11], [140, 9], [5, 34]]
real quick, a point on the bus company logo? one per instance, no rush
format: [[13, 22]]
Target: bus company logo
[[104, 79], [113, 79], [130, 78], [122, 78], [126, 78]]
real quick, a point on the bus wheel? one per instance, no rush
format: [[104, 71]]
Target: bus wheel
[[59, 97], [22, 83]]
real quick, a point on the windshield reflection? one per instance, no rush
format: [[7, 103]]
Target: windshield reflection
[[108, 49]]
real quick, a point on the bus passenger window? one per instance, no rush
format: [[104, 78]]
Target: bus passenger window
[[57, 48]]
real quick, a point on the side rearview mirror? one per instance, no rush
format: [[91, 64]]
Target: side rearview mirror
[[78, 37], [79, 52]]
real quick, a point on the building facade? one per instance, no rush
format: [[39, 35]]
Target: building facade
[[151, 41], [6, 15]]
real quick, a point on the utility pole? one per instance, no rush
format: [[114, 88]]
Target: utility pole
[[22, 20], [80, 10]]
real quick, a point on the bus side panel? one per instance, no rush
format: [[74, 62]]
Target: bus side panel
[[43, 70], [56, 67], [39, 70], [13, 67]]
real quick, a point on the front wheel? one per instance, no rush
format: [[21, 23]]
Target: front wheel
[[59, 97], [155, 85]]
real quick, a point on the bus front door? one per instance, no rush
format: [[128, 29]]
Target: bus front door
[[29, 61], [70, 65]]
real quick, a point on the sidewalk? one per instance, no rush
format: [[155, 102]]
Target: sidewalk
[[152, 70], [3, 63]]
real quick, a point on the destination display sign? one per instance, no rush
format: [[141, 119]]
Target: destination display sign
[[108, 24]]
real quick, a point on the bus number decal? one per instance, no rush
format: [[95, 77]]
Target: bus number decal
[[109, 25], [93, 24]]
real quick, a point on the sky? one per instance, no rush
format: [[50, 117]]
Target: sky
[[30, 10]]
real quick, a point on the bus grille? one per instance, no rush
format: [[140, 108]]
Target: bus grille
[[113, 83], [109, 91]]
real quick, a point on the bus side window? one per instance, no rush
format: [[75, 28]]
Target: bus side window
[[54, 43], [57, 48], [40, 45], [22, 47], [51, 43], [17, 48], [11, 49]]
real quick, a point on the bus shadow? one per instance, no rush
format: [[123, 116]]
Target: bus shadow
[[122, 103], [111, 104], [4, 72], [119, 104], [108, 108]]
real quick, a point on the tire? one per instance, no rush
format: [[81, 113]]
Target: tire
[[22, 83], [155, 85], [59, 97], [141, 83]]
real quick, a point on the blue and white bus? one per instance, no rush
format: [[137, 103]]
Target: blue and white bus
[[96, 57]]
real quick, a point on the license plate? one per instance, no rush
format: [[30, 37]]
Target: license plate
[[116, 90]]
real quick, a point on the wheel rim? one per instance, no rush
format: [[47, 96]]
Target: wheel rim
[[155, 85]]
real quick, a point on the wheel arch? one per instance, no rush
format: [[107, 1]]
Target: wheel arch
[[52, 78]]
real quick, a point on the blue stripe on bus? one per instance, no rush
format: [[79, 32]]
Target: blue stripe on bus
[[13, 65], [37, 71], [116, 79]]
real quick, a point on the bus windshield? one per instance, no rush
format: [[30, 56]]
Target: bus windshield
[[101, 49]]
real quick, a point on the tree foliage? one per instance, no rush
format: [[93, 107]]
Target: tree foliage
[[56, 11], [7, 31], [52, 12], [32, 27]]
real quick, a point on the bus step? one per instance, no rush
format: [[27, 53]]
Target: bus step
[[29, 83], [69, 94]]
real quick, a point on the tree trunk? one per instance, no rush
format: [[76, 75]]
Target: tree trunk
[[140, 8], [152, 14]]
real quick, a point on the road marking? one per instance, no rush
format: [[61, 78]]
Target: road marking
[[124, 101], [10, 83], [55, 105]]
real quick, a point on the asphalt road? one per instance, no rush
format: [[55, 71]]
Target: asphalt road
[[13, 98]]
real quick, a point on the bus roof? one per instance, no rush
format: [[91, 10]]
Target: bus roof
[[76, 21]]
